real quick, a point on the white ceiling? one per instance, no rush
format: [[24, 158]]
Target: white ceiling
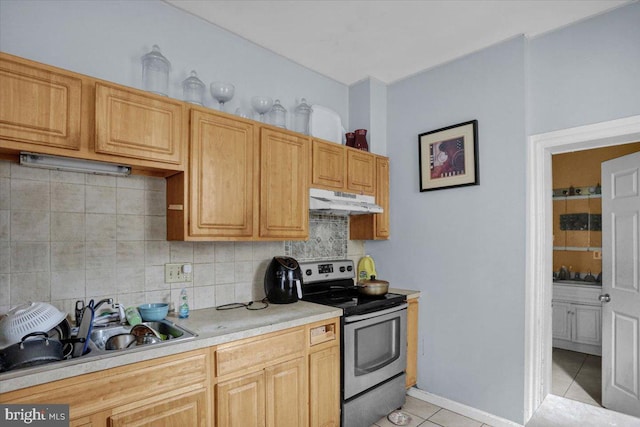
[[386, 39]]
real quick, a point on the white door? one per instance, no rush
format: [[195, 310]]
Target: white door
[[620, 284]]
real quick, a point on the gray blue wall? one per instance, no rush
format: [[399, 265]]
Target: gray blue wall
[[368, 110], [586, 73], [464, 248], [106, 39]]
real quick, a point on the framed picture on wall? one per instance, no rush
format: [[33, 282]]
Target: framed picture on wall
[[449, 157]]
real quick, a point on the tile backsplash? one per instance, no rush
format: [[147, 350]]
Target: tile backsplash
[[66, 236], [328, 237]]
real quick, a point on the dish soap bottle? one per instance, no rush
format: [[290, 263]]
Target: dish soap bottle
[[366, 268], [184, 305]]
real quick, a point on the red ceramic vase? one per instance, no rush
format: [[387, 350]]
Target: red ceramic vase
[[361, 140], [351, 139]]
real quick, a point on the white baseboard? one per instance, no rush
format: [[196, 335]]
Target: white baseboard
[[461, 409]]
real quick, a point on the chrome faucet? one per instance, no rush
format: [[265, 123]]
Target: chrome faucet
[[102, 301], [105, 320]]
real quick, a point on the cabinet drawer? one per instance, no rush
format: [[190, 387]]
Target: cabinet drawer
[[324, 332], [258, 353]]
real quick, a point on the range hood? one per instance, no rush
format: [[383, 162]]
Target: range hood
[[339, 203]]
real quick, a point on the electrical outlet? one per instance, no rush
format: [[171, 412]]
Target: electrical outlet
[[177, 273], [597, 254]]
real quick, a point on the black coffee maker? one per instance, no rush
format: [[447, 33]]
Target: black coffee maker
[[283, 281]]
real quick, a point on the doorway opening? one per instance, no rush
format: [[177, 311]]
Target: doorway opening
[[538, 310], [577, 271]]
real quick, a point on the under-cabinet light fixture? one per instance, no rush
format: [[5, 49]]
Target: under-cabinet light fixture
[[74, 165]]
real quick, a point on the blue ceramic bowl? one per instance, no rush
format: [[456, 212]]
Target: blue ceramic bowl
[[153, 312]]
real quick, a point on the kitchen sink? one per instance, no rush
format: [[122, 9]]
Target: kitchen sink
[[168, 331]]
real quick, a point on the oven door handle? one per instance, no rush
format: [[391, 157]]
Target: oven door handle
[[359, 317]]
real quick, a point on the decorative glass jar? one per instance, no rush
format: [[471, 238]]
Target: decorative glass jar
[[302, 114], [193, 89], [155, 72]]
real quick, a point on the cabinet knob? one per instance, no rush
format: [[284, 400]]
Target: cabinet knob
[[604, 298]]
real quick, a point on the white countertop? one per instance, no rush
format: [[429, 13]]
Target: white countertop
[[577, 283], [408, 292], [213, 327]]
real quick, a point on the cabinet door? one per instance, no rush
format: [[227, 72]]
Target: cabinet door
[[139, 125], [412, 343], [382, 197], [284, 185], [39, 106], [561, 324], [361, 173], [587, 324], [184, 410], [324, 388], [241, 402], [329, 166], [286, 394], [98, 419], [223, 176], [374, 226]]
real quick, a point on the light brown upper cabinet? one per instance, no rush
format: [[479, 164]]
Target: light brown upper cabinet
[[339, 168], [244, 182], [329, 166], [374, 226], [284, 185], [361, 172], [48, 110], [139, 125], [38, 106], [223, 176]]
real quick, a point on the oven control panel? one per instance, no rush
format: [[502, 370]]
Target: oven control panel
[[318, 271]]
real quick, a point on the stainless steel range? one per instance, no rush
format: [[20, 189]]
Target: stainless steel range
[[374, 337]]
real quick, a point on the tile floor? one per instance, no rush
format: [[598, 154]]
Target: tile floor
[[425, 414], [557, 411], [577, 376]]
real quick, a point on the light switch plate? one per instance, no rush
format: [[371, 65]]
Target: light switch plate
[[177, 273]]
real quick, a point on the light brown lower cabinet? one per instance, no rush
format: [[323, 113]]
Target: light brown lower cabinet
[[241, 402], [98, 419], [412, 342], [324, 389], [286, 388], [185, 410], [288, 378], [155, 392], [273, 397]]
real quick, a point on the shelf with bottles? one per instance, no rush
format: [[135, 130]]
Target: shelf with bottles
[[589, 192], [578, 248]]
